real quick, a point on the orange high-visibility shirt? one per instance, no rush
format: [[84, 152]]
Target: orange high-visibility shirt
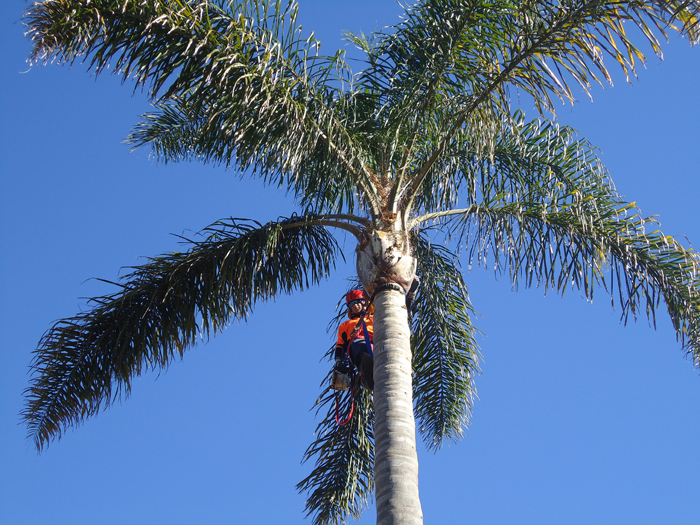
[[349, 326]]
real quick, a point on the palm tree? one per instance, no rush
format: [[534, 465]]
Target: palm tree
[[423, 139]]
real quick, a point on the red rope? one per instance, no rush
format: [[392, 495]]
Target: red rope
[[352, 407], [352, 392]]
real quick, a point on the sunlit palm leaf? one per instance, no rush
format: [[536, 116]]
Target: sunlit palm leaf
[[445, 353], [556, 246], [472, 50], [234, 82], [230, 131], [543, 209], [525, 155], [452, 62], [86, 362]]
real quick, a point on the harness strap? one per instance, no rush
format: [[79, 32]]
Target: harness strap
[[368, 343], [360, 324]]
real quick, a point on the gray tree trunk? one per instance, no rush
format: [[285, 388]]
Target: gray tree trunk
[[396, 461]]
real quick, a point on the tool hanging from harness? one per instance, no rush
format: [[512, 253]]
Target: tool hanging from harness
[[343, 377], [343, 380]]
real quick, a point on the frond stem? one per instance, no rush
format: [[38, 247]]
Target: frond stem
[[350, 217], [438, 214], [324, 221]]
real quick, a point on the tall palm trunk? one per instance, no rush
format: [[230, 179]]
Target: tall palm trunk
[[385, 259], [396, 462]]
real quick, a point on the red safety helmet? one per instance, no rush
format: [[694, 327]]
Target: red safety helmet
[[355, 295]]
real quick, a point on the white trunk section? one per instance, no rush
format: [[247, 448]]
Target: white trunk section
[[385, 257], [395, 460]]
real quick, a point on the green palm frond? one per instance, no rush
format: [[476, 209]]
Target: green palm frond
[[234, 83], [342, 480], [230, 131], [445, 352], [453, 65], [86, 362], [524, 155], [559, 246], [542, 209], [472, 50], [165, 44]]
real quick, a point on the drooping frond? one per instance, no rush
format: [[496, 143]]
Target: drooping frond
[[234, 82], [559, 245], [342, 481], [86, 362], [445, 352], [543, 209]]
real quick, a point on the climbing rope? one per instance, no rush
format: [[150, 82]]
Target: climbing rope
[[352, 407]]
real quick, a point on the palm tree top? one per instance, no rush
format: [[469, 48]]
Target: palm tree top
[[439, 81], [423, 135]]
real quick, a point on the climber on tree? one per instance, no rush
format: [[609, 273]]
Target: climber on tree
[[355, 337]]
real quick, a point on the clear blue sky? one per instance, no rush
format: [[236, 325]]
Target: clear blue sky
[[581, 420]]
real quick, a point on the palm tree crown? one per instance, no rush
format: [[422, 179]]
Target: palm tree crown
[[423, 138]]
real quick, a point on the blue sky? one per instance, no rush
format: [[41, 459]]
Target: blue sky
[[580, 419]]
